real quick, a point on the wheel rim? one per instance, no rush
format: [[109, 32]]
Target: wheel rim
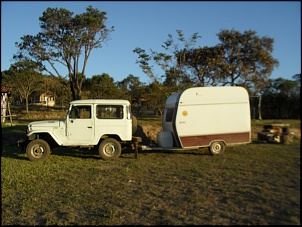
[[217, 147], [109, 150], [38, 151]]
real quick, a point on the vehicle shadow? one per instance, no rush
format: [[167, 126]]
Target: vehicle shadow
[[76, 152], [12, 151], [146, 141], [10, 148]]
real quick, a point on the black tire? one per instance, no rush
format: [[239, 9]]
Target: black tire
[[217, 148], [38, 150], [134, 125], [110, 149]]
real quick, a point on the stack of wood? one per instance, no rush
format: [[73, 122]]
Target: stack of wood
[[276, 133]]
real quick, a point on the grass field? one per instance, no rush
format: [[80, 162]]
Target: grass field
[[254, 184]]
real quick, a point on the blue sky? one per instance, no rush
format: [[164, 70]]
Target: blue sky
[[146, 24]]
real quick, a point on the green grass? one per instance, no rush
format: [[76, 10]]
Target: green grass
[[254, 184]]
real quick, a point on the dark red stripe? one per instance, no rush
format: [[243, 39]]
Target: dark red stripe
[[205, 140]]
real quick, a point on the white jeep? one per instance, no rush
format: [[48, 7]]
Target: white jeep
[[106, 123]]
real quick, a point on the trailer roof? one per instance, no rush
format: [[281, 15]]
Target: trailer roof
[[213, 95], [208, 95]]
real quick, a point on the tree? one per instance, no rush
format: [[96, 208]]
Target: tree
[[247, 59], [58, 87], [133, 90], [297, 78], [171, 62], [66, 39], [102, 87], [205, 64], [132, 87], [25, 78], [156, 98], [281, 100], [241, 59]]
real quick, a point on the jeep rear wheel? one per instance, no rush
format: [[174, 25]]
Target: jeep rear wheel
[[110, 149], [38, 150]]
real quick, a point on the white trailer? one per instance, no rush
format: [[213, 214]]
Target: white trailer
[[213, 117]]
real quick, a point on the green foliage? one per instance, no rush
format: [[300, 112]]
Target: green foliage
[[206, 64], [59, 87], [132, 89], [63, 39], [24, 77], [102, 87], [240, 59], [247, 61], [281, 100], [172, 63]]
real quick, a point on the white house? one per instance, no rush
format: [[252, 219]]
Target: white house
[[47, 99]]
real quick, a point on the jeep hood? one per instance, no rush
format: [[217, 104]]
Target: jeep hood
[[50, 123]]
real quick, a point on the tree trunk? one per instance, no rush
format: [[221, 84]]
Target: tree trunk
[[72, 89], [26, 104], [259, 108]]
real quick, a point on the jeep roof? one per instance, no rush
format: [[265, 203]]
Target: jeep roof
[[101, 101]]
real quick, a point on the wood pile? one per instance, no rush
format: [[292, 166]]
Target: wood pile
[[276, 133]]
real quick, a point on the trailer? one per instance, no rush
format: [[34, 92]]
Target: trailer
[[213, 117]]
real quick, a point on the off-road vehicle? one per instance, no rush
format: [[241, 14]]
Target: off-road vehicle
[[103, 123]]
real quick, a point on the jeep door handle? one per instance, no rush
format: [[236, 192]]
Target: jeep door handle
[[89, 126]]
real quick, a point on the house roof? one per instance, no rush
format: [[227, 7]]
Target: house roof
[[48, 93], [5, 89]]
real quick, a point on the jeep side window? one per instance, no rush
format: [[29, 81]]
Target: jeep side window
[[80, 112], [110, 112]]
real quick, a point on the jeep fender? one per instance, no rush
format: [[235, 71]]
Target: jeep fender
[[37, 135]]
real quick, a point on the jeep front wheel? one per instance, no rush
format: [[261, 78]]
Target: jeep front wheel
[[38, 150], [110, 149]]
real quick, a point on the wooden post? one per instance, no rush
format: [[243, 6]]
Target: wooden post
[[135, 141], [259, 108], [136, 151]]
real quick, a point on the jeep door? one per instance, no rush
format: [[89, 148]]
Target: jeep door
[[80, 127]]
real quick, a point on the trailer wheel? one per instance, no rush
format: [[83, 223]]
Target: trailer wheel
[[217, 148], [110, 149], [38, 150]]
